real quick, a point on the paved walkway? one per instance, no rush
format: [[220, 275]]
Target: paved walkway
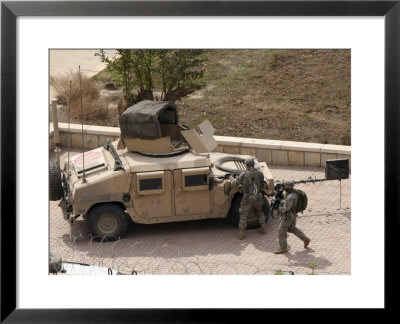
[[65, 62], [212, 247]]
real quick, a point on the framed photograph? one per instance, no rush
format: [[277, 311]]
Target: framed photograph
[[30, 30]]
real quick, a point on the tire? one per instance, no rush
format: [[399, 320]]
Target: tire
[[56, 191], [107, 222], [219, 164], [55, 263], [252, 221]]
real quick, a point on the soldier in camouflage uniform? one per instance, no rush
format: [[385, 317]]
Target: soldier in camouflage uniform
[[252, 184], [288, 218]]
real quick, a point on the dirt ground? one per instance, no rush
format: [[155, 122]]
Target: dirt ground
[[296, 95]]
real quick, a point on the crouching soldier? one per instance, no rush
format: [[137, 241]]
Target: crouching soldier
[[287, 210], [252, 184]]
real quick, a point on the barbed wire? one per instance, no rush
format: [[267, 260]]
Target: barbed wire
[[155, 262], [159, 258]]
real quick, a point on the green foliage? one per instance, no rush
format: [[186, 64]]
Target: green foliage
[[121, 70], [179, 69], [278, 272], [312, 266], [178, 72]]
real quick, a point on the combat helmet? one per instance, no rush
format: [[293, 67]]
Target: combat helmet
[[288, 184], [249, 161]]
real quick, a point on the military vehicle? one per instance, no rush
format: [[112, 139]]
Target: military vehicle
[[158, 171]]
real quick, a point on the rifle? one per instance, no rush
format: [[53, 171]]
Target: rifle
[[277, 198], [336, 169]]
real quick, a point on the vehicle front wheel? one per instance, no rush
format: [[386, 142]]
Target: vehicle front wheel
[[107, 222], [252, 220]]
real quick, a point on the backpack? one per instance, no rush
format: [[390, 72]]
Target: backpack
[[302, 201]]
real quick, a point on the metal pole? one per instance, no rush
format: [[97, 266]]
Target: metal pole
[[55, 125], [69, 123], [83, 142]]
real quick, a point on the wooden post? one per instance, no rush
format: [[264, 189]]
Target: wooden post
[[55, 125]]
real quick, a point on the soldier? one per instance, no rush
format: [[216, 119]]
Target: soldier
[[252, 184], [288, 218]]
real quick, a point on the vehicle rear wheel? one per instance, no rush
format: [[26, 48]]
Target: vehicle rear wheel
[[107, 222], [252, 221], [55, 186]]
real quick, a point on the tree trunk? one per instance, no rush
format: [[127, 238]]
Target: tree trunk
[[145, 95], [179, 93]]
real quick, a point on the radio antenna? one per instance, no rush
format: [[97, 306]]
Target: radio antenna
[[83, 143], [69, 122]]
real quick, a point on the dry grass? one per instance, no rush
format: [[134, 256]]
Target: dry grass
[[295, 95], [93, 106]]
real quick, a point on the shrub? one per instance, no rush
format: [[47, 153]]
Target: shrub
[[312, 266], [93, 106], [177, 72]]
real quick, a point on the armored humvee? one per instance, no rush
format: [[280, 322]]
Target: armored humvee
[[158, 171]]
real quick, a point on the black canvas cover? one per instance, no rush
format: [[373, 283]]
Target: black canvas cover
[[144, 118]]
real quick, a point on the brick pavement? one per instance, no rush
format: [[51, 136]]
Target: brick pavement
[[212, 247]]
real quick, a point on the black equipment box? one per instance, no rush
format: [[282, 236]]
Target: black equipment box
[[337, 169]]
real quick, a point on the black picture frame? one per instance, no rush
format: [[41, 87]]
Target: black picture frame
[[10, 10]]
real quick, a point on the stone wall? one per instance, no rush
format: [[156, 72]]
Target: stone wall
[[273, 152]]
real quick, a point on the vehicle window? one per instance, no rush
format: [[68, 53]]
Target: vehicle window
[[150, 184], [196, 180]]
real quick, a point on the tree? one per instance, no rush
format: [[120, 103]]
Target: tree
[[178, 72], [121, 68], [142, 63]]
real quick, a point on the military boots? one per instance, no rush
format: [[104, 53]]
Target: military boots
[[262, 229], [241, 233], [306, 242], [281, 250]]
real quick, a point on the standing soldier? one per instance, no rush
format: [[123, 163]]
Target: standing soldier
[[252, 184], [288, 218]]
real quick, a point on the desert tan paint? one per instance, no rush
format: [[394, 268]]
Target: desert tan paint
[[201, 140], [173, 202], [159, 145]]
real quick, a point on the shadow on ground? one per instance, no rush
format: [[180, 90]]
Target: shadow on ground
[[170, 241]]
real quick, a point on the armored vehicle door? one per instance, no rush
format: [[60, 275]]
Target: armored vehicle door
[[152, 194], [191, 190]]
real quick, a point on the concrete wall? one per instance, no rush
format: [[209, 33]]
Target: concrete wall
[[273, 152]]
